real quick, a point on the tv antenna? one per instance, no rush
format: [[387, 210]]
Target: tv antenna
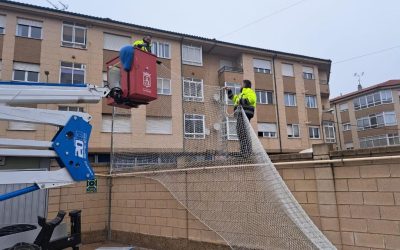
[[63, 5], [359, 79]]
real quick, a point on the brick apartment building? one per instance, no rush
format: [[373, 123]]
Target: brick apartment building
[[368, 117], [40, 44]]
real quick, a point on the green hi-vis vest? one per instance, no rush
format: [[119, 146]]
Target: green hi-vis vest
[[247, 93]]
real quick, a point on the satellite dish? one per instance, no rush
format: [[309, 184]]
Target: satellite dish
[[216, 97], [217, 126]]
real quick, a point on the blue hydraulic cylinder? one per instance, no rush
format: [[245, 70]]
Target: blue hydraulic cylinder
[[18, 192]]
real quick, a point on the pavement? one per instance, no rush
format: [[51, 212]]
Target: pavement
[[94, 246]]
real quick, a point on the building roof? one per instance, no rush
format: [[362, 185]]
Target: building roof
[[105, 21], [383, 85]]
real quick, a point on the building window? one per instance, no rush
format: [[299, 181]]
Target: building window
[[377, 120], [311, 101], [329, 129], [343, 107], [161, 49], [72, 73], [380, 141], [235, 88], [29, 28], [192, 55], [287, 69], [374, 99], [26, 72], [290, 99], [349, 145], [115, 42], [122, 123], [313, 132], [163, 86], [192, 89], [71, 108], [194, 126], [2, 24], [159, 125], [74, 35], [293, 130], [346, 127], [264, 97], [229, 130], [267, 130], [262, 66], [308, 73]]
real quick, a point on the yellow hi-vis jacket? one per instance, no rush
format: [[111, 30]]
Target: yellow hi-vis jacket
[[247, 99], [142, 45], [246, 94]]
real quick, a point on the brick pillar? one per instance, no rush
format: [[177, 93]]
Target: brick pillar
[[326, 195]]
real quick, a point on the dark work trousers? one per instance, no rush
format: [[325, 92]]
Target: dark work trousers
[[243, 133]]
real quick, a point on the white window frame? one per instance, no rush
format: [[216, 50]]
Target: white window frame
[[308, 72], [262, 130], [349, 146], [162, 85], [262, 66], [71, 108], [380, 140], [312, 132], [285, 69], [118, 120], [198, 96], [374, 99], [26, 68], [73, 43], [192, 61], [329, 130], [291, 130], [344, 107], [290, 100], [263, 94], [235, 88], [73, 69], [165, 123], [377, 120], [230, 123], [193, 118], [2, 24], [311, 101], [161, 49], [346, 126], [30, 24]]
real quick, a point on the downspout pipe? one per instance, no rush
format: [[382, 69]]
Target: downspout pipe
[[276, 104]]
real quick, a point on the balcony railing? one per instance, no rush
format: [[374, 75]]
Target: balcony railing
[[230, 69]]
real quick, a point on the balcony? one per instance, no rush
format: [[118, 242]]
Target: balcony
[[230, 69], [324, 88], [230, 74]]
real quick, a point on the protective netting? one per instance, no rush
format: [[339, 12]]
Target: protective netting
[[217, 168]]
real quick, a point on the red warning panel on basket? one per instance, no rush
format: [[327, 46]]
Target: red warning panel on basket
[[143, 77]]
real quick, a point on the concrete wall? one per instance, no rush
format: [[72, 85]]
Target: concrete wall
[[356, 205]]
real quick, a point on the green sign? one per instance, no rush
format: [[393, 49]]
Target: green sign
[[91, 186]]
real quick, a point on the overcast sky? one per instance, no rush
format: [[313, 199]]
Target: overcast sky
[[329, 29]]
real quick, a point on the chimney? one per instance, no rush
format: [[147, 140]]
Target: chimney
[[359, 87]]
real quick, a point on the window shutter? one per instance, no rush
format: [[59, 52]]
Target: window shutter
[[155, 125], [266, 127], [115, 42], [308, 70], [287, 69], [30, 22], [262, 64], [26, 67]]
